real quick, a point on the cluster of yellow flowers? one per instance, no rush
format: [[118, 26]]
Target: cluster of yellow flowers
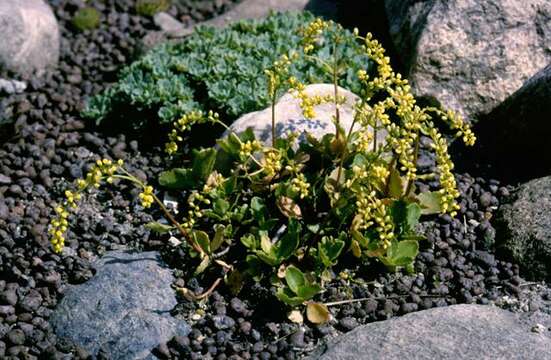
[[376, 52], [456, 122], [195, 210], [300, 185], [185, 123], [102, 169], [312, 32], [278, 72], [146, 196], [404, 139], [58, 227], [363, 141], [308, 102], [448, 191], [373, 212], [249, 147], [272, 162]]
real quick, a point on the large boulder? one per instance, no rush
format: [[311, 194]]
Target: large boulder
[[124, 310], [30, 36], [523, 228], [470, 55], [455, 332], [289, 116], [514, 137]]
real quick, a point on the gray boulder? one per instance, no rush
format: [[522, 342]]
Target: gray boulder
[[256, 9], [523, 228], [470, 55], [289, 116], [124, 310], [514, 137], [455, 332], [30, 36]]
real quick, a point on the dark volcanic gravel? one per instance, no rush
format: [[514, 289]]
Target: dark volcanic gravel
[[52, 146]]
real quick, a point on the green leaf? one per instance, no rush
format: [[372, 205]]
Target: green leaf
[[395, 184], [403, 252], [158, 227], [268, 258], [231, 145], [329, 250], [218, 239], [257, 205], [413, 214], [254, 267], [221, 206], [177, 179], [285, 295], [203, 265], [203, 163], [288, 243], [247, 135], [250, 241], [430, 203], [294, 278], [235, 282], [265, 242], [202, 239], [308, 291]]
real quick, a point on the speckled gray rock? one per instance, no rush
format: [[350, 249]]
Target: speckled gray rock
[[12, 86], [168, 24], [30, 36], [256, 9], [289, 116], [455, 332], [470, 55], [523, 228], [124, 310], [512, 134]]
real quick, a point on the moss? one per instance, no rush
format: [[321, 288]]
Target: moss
[[220, 69], [151, 7], [86, 19]]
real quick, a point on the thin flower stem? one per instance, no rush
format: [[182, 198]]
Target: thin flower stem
[[210, 290], [167, 213], [183, 231], [336, 90], [273, 120], [342, 302], [415, 157]]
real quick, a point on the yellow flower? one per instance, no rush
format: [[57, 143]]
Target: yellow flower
[[249, 147], [312, 32], [146, 197], [300, 185], [185, 123], [272, 162], [372, 212]]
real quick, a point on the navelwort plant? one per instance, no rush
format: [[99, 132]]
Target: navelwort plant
[[288, 211]]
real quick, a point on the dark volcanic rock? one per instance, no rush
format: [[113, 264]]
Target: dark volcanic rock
[[124, 310], [454, 332], [524, 228], [470, 55]]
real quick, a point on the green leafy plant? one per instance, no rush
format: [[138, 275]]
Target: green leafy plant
[[151, 7], [87, 18], [219, 69], [288, 212]]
